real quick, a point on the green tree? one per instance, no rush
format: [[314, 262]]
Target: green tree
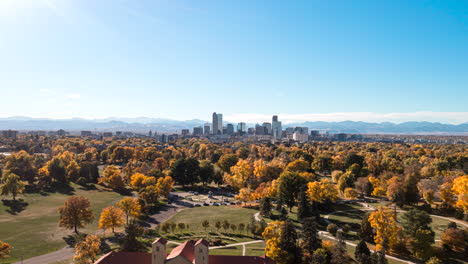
[[207, 172], [288, 188], [227, 161], [57, 170], [366, 232], [362, 253], [265, 207], [415, 219], [310, 237], [304, 209], [11, 184], [131, 241], [288, 243], [421, 243]]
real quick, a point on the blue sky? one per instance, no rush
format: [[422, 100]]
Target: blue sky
[[304, 60]]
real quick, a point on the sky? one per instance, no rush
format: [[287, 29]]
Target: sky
[[310, 60]]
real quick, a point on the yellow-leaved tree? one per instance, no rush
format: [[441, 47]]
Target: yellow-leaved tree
[[4, 249], [240, 173], [111, 217], [272, 236], [446, 193], [164, 185], [320, 191], [87, 250], [130, 206], [460, 188], [112, 178], [245, 195], [384, 222]]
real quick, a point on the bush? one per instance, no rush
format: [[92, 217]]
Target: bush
[[332, 229], [346, 228]]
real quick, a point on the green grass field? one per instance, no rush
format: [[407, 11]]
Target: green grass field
[[34, 231], [195, 216]]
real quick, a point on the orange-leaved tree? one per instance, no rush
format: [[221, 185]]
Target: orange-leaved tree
[[75, 213], [111, 217]]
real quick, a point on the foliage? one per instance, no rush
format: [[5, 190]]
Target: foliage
[[11, 184], [322, 191], [130, 206], [384, 222], [87, 250], [112, 178], [415, 219], [5, 249], [131, 241], [272, 236], [111, 217], [289, 188], [75, 213]]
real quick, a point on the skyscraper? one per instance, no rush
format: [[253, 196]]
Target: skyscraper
[[215, 124], [230, 129], [242, 128], [207, 128], [220, 124], [276, 127]]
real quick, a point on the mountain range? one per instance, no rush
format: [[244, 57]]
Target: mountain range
[[144, 124]]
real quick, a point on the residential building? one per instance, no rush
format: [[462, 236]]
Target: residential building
[[9, 133], [189, 252], [198, 131], [206, 129]]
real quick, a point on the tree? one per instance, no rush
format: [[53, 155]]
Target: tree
[[415, 219], [227, 161], [207, 172], [57, 169], [434, 260], [240, 174], [378, 257], [206, 224], [310, 237], [303, 207], [455, 239], [245, 195], [322, 191], [421, 243], [322, 163], [272, 235], [185, 171], [21, 164], [112, 178], [288, 243], [11, 184], [362, 253], [289, 188], [366, 231], [460, 188], [130, 242], [226, 225], [332, 228], [265, 207], [111, 217], [75, 213], [339, 254], [383, 220], [73, 171], [350, 193], [298, 166], [164, 185], [218, 226], [130, 206], [5, 249], [140, 181], [150, 195], [87, 250]]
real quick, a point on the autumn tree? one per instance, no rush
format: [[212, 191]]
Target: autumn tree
[[112, 178], [164, 186], [383, 220], [11, 184], [21, 164], [245, 195], [240, 174], [130, 206], [75, 213], [272, 236], [460, 188], [57, 170], [322, 191], [5, 249], [87, 250], [111, 217], [455, 239]]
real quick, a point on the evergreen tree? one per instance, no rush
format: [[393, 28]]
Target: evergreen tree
[[378, 257], [311, 240], [362, 253], [339, 255], [304, 208], [265, 207], [288, 243], [366, 232], [130, 242], [283, 214], [415, 219]]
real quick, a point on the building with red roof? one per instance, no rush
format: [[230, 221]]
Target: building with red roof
[[189, 252]]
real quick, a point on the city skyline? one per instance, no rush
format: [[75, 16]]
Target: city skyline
[[180, 60]]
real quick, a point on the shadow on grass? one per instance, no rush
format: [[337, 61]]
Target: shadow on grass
[[14, 206]]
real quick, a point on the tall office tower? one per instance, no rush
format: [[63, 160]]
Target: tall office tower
[[198, 131], [220, 124], [242, 128], [268, 130], [259, 130], [215, 127], [206, 129], [276, 128], [230, 129]]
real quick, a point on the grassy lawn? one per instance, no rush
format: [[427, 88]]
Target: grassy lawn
[[195, 216], [34, 231]]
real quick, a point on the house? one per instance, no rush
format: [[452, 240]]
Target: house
[[189, 252]]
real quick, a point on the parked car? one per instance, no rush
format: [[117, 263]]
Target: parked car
[[223, 203], [206, 204], [197, 205], [232, 203], [216, 204]]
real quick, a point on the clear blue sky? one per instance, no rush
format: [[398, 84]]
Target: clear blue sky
[[185, 59]]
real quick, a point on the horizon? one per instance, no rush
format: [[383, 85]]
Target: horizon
[[181, 60]]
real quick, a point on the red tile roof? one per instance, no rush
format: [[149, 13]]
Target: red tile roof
[[186, 249], [203, 241], [125, 258], [161, 240]]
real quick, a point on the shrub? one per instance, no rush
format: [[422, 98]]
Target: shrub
[[332, 229]]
